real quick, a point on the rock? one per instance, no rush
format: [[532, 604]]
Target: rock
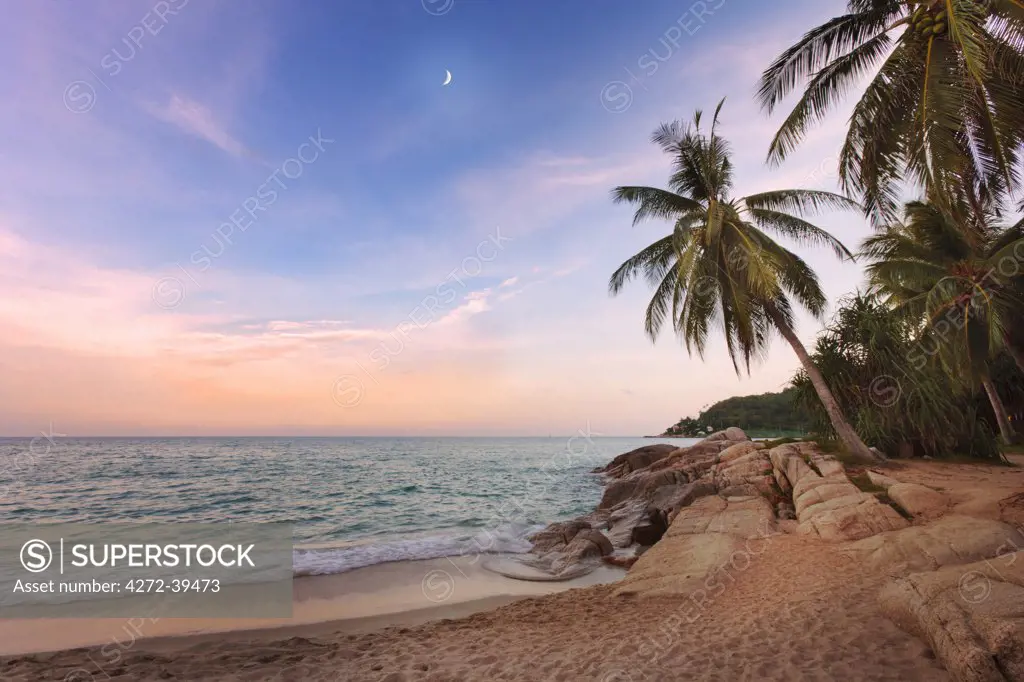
[[624, 519], [827, 465], [742, 490], [850, 517], [878, 453], [1011, 510], [750, 471], [951, 540], [634, 460], [695, 459], [625, 562], [690, 493], [732, 434], [917, 500], [648, 533], [597, 538], [586, 545], [751, 517], [971, 616], [881, 480], [782, 482], [709, 535], [811, 491], [788, 460], [739, 450], [659, 571], [557, 535], [640, 484]]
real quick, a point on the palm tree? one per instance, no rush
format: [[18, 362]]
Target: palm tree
[[945, 107], [719, 267], [960, 278]]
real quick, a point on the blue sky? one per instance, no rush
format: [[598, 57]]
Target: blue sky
[[135, 131]]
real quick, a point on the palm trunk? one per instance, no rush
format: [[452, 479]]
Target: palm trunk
[[1015, 352], [1005, 429], [842, 427]]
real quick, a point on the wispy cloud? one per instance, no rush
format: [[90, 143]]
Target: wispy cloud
[[195, 119]]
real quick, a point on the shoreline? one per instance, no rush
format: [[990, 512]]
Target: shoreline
[[729, 590], [400, 593]]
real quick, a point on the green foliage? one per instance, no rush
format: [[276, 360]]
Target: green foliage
[[957, 278], [944, 109], [863, 355], [768, 413]]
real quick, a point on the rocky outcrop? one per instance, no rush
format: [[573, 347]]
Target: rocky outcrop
[[654, 489], [972, 616], [562, 548], [675, 517], [949, 541], [636, 459], [825, 502], [709, 534]]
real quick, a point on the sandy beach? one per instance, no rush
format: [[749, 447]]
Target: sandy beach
[[801, 611], [793, 608]]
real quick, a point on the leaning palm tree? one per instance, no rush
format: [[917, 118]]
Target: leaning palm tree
[[945, 106], [719, 267], [960, 279]]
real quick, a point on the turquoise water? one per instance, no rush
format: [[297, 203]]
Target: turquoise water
[[353, 502]]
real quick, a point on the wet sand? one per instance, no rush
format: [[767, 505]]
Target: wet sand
[[802, 610], [371, 598]]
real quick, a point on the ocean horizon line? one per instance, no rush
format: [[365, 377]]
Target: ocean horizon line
[[319, 436]]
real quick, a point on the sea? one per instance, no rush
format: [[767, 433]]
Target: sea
[[352, 502]]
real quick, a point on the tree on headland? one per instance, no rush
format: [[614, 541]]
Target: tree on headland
[[719, 267], [944, 109], [958, 278]]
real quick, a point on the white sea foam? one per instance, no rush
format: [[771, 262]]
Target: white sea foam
[[330, 560]]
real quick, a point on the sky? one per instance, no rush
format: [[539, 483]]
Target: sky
[[272, 217]]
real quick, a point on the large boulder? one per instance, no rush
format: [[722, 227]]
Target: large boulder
[[634, 460], [849, 517], [951, 540], [705, 537], [557, 535], [814, 490], [660, 572], [745, 517], [695, 460], [790, 462], [588, 544], [750, 468], [640, 484], [971, 616], [738, 450], [918, 500], [732, 433], [685, 497], [623, 519]]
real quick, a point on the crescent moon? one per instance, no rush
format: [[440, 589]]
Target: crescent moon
[[447, 77]]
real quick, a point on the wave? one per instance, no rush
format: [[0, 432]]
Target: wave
[[510, 539]]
